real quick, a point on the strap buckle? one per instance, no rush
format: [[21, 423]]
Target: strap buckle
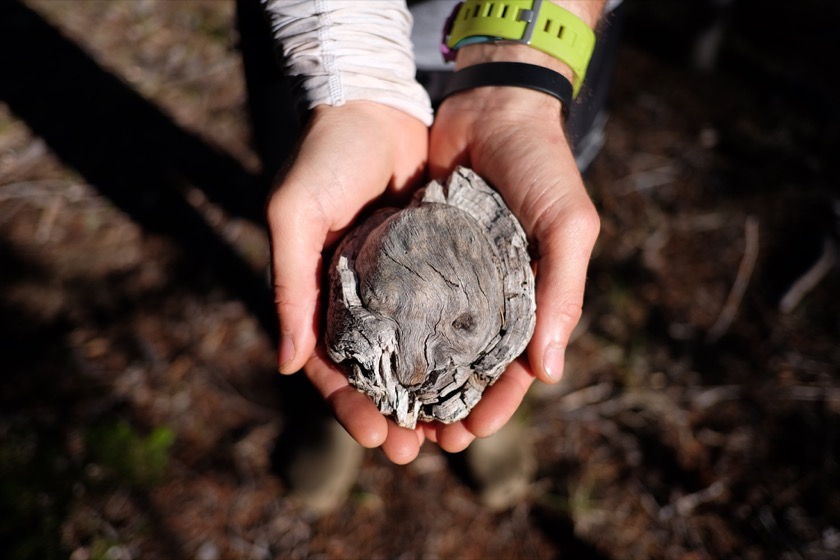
[[530, 18], [527, 16]]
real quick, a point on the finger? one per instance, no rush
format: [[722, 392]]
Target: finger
[[429, 430], [500, 401], [565, 243], [296, 243], [352, 409], [402, 444], [454, 437]]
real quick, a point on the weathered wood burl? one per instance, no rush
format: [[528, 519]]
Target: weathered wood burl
[[430, 303]]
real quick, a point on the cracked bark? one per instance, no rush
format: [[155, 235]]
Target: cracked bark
[[430, 303]]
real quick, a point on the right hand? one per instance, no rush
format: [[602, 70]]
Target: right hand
[[350, 156]]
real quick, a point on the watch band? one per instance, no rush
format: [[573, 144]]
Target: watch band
[[538, 23], [516, 74]]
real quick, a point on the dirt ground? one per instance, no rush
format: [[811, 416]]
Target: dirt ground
[[140, 413]]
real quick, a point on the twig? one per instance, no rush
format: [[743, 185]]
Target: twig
[[37, 188], [742, 280], [710, 397], [652, 248], [47, 221], [813, 276], [684, 505], [810, 393], [647, 179], [585, 397]]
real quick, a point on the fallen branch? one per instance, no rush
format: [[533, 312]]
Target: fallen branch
[[742, 280], [812, 277], [685, 505]]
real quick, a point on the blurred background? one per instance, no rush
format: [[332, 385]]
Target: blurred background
[[139, 408]]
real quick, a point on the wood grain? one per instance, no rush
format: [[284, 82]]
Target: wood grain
[[430, 303]]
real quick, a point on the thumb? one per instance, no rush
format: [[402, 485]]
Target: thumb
[[564, 248], [296, 244]]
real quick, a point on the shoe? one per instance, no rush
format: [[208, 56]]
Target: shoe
[[502, 466], [322, 469], [314, 456]]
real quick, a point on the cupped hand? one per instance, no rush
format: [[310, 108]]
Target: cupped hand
[[349, 158], [514, 138]]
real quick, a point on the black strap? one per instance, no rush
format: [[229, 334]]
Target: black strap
[[517, 74]]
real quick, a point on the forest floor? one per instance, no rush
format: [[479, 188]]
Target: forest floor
[[139, 406]]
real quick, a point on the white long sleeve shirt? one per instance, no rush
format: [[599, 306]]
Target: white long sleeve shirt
[[341, 51]]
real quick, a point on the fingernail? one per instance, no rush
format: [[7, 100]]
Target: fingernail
[[553, 361], [286, 352]]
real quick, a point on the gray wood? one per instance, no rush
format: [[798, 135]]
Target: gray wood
[[430, 303]]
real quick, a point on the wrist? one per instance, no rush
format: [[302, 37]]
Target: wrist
[[376, 113], [503, 109], [506, 101], [509, 52]]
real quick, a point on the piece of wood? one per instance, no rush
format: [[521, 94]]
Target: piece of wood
[[429, 304]]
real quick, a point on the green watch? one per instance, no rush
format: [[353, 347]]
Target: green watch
[[542, 25]]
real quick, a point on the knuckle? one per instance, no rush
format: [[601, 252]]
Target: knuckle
[[589, 218], [583, 221], [568, 220], [569, 312], [284, 300]]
